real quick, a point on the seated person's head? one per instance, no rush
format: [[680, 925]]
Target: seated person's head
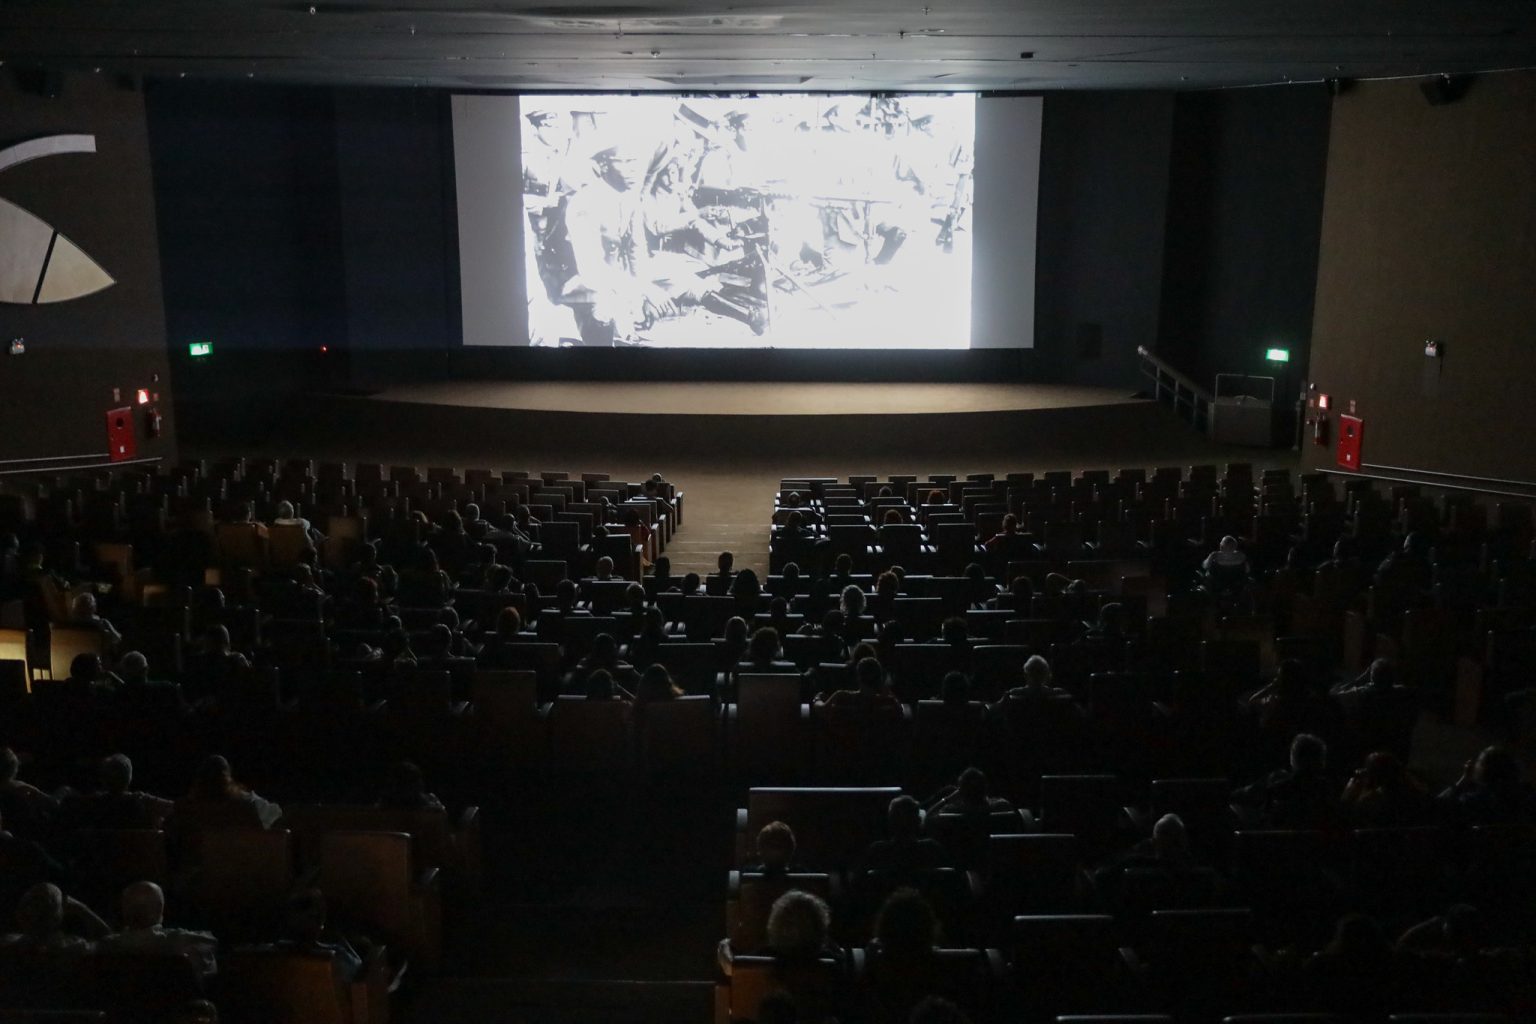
[[1496, 768], [798, 924], [509, 622], [903, 818], [953, 630], [736, 630], [217, 639], [725, 561], [765, 645], [888, 585], [439, 640], [778, 608], [893, 517], [565, 595], [1010, 524], [605, 649], [1229, 545], [1111, 618], [472, 513], [776, 846], [85, 667], [604, 567], [973, 787], [1382, 770], [284, 510], [1021, 589], [143, 905], [213, 779], [634, 595], [843, 565], [1037, 671], [600, 686], [955, 688], [1170, 840], [852, 601], [662, 569], [1309, 754], [10, 766], [691, 583], [40, 912], [870, 675], [656, 684], [1291, 678], [745, 584], [84, 607], [116, 773], [906, 925], [791, 572], [832, 621]]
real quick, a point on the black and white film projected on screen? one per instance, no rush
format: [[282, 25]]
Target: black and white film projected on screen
[[799, 221]]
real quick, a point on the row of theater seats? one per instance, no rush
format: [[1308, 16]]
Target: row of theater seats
[[1026, 933], [299, 722], [1033, 937]]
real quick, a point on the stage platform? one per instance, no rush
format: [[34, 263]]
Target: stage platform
[[756, 399], [845, 427]]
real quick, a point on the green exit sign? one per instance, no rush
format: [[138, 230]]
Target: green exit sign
[[1278, 355], [200, 349]]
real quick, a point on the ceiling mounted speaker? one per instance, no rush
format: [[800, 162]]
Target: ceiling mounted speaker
[[1443, 89]]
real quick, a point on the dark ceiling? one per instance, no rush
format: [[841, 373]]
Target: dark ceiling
[[802, 44]]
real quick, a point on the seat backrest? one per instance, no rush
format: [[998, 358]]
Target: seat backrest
[[244, 873], [13, 647], [1081, 804], [589, 735], [144, 986], [286, 544], [815, 987], [1056, 947], [833, 825], [427, 828], [66, 642], [113, 858], [682, 733], [367, 877], [277, 986]]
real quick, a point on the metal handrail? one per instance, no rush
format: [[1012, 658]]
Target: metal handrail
[[1188, 399]]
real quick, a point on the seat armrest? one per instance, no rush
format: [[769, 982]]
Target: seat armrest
[[370, 990], [429, 878], [468, 819], [733, 884], [997, 965]]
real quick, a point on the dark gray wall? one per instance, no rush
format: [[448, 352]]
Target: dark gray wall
[[250, 231], [1103, 184], [1429, 231], [1245, 203], [54, 398], [395, 177]]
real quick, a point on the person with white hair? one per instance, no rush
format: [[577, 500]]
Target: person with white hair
[[144, 931], [83, 615]]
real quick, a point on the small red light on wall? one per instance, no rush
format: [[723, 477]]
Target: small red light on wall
[[143, 396], [325, 348], [1322, 401]]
